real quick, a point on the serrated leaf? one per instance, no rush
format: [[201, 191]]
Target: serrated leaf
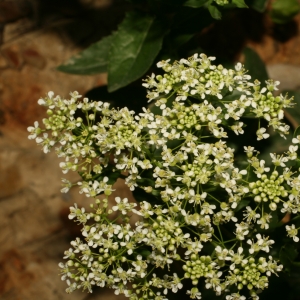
[[214, 12], [255, 66], [134, 48], [259, 5], [92, 60], [240, 3], [195, 3], [284, 10]]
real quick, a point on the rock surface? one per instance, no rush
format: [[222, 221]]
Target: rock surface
[[34, 229]]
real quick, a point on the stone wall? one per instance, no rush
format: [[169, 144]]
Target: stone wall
[[34, 228]]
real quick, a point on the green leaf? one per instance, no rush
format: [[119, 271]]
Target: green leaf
[[144, 252], [296, 132], [284, 10], [135, 97], [182, 39], [214, 12], [195, 3], [240, 3], [276, 144], [274, 220], [156, 110], [140, 195], [255, 66], [287, 254], [92, 60], [134, 48], [190, 21], [259, 5], [243, 203], [111, 173]]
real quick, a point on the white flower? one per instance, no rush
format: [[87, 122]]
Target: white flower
[[194, 293], [272, 85], [292, 232], [296, 140], [238, 66], [242, 230], [66, 185], [235, 296], [261, 134], [46, 142], [207, 208], [222, 254], [162, 63], [263, 243], [238, 128], [260, 168], [123, 206], [264, 221], [250, 215], [278, 160], [75, 211], [35, 131]]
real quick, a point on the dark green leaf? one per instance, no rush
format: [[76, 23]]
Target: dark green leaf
[[277, 145], [140, 195], [190, 21], [186, 23], [255, 66], [157, 111], [113, 176], [92, 60], [146, 181], [287, 254], [134, 48], [296, 264], [195, 3], [214, 12], [284, 10], [243, 203], [111, 173], [233, 95], [144, 252], [182, 39], [240, 3], [297, 131], [133, 97], [259, 5], [274, 221]]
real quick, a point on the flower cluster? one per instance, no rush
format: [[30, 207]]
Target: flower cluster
[[203, 221]]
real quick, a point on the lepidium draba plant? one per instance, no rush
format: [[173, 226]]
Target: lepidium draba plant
[[206, 221]]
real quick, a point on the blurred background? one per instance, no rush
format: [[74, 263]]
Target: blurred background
[[35, 38]]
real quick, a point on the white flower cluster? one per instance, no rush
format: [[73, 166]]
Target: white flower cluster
[[204, 222], [197, 78]]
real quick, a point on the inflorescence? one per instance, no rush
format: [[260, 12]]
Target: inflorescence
[[202, 221]]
